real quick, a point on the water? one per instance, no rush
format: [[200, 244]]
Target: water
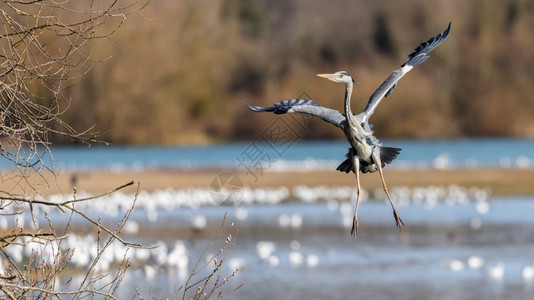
[[430, 260], [468, 246], [298, 155]]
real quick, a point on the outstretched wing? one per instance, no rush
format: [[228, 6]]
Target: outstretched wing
[[303, 106], [415, 58]]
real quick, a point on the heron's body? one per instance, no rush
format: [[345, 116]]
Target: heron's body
[[366, 153], [362, 147], [362, 141]]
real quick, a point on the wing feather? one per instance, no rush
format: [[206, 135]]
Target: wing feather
[[303, 106], [415, 58]]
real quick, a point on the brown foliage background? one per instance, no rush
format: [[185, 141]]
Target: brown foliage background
[[177, 75]]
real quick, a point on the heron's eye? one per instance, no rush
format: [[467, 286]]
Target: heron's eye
[[341, 75]]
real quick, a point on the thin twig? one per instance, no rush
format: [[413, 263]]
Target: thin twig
[[56, 293]]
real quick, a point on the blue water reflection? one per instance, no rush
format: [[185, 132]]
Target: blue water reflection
[[451, 153]]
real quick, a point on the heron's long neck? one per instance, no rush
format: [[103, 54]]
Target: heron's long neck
[[348, 111]]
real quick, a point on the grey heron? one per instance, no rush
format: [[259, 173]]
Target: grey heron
[[366, 153]]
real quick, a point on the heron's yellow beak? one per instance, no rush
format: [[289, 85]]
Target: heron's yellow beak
[[327, 76]]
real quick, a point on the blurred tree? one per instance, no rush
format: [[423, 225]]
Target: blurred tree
[[511, 15], [188, 68], [250, 14], [383, 41]]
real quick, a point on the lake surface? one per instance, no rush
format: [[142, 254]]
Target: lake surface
[[305, 251], [294, 155], [470, 246], [458, 244]]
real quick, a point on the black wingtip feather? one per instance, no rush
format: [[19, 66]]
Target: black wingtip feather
[[281, 107], [419, 55], [256, 108]]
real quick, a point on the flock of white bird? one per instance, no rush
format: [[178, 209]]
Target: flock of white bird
[[83, 252], [172, 259], [175, 258], [172, 199], [495, 271], [341, 197]]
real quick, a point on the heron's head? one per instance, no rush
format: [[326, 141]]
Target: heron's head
[[341, 76]]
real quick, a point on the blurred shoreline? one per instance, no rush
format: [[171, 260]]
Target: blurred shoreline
[[503, 182]]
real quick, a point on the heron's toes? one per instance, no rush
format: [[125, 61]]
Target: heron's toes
[[354, 230], [398, 220]]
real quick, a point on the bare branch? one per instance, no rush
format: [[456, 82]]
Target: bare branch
[[56, 293], [206, 288], [45, 45]]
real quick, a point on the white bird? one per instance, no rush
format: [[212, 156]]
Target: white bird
[[527, 273], [475, 262], [159, 254], [296, 258], [150, 271], [284, 220], [273, 261], [296, 221], [199, 222], [312, 260], [178, 258], [265, 249], [236, 264], [496, 272], [454, 264]]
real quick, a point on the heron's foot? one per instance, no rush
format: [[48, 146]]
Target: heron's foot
[[354, 230], [398, 220]]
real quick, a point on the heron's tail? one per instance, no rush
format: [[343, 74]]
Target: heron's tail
[[387, 155], [346, 166]]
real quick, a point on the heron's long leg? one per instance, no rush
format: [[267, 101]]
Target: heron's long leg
[[378, 162], [356, 162]]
